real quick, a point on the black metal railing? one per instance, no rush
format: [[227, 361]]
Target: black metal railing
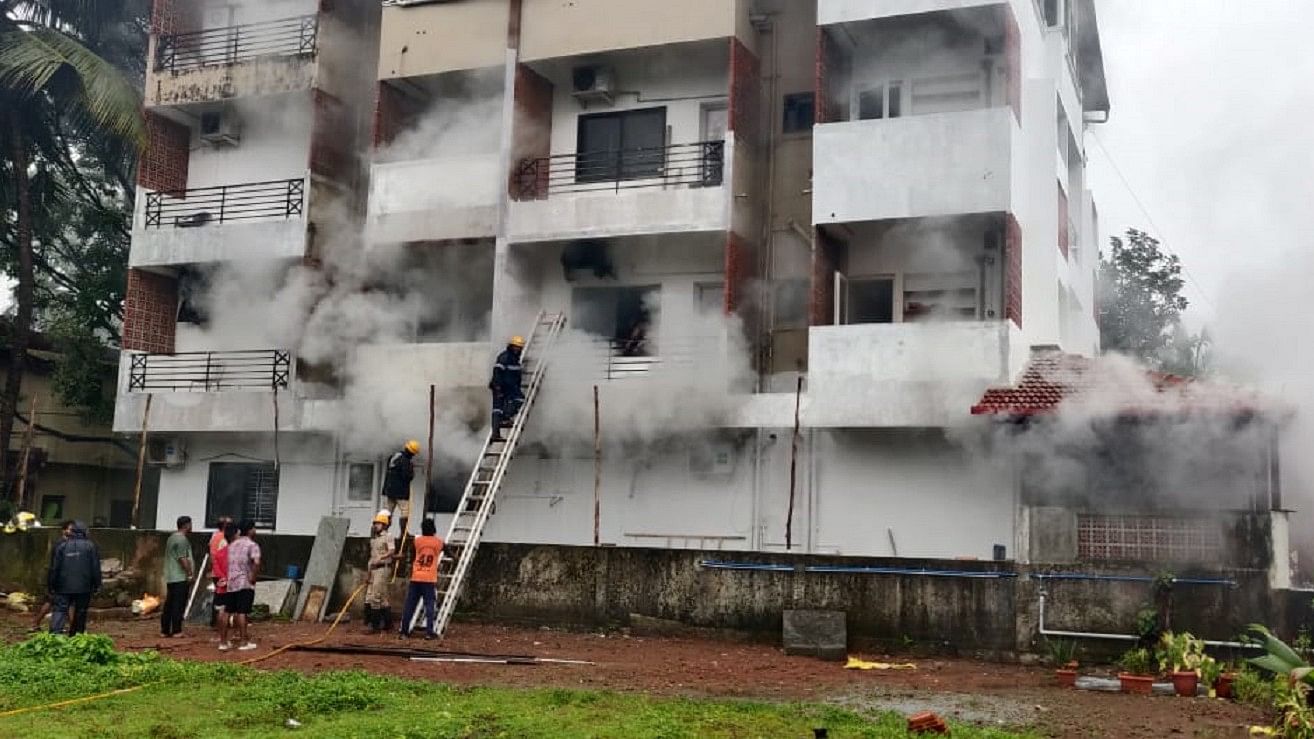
[[210, 371], [203, 206], [682, 165], [215, 46]]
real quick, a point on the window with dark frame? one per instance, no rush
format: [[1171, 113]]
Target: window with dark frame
[[799, 112], [243, 490], [623, 145], [360, 481]]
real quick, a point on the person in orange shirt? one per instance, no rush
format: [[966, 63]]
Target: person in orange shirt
[[424, 579]]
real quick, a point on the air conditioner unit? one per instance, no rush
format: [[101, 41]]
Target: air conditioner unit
[[220, 128], [594, 84], [170, 453]]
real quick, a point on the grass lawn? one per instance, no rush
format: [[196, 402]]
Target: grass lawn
[[187, 699]]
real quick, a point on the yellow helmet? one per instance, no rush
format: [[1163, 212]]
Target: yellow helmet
[[383, 517], [412, 446], [517, 341]]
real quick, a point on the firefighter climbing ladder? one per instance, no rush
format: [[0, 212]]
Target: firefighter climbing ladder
[[462, 542]]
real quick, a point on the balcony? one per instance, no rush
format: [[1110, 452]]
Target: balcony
[[553, 29], [234, 61], [254, 220], [207, 391], [914, 166], [210, 371], [678, 188], [422, 200], [905, 374]]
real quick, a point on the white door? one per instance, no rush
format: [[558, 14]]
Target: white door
[[715, 121], [359, 494], [780, 525]]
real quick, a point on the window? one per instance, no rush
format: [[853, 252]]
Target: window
[[710, 298], [614, 313], [799, 112], [950, 296], [52, 509], [243, 490], [947, 93], [192, 287], [628, 145], [791, 298], [871, 300], [884, 101], [360, 482], [1147, 538], [1052, 17]]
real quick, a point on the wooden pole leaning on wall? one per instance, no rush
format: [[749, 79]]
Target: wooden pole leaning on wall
[[21, 496], [597, 470], [428, 478], [793, 467], [277, 461], [141, 461]]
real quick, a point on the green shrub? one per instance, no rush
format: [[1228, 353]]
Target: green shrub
[[1254, 688]]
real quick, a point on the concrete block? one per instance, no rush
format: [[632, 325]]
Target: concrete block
[[822, 634], [278, 595], [325, 557]]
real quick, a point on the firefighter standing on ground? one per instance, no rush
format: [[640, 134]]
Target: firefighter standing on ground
[[397, 484], [378, 611], [507, 393]]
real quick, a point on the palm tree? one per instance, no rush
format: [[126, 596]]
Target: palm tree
[[50, 81]]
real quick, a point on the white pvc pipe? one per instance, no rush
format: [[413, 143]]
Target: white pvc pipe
[[1120, 637]]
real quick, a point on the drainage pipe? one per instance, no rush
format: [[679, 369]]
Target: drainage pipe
[[1133, 578], [712, 564]]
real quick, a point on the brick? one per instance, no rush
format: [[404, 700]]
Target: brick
[[825, 261], [829, 63], [150, 312], [740, 271], [745, 106], [330, 138], [164, 164], [394, 112], [1012, 269]]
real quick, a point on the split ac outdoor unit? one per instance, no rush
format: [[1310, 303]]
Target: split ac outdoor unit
[[594, 84], [220, 128]]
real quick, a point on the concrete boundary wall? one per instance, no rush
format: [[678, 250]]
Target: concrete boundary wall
[[989, 609]]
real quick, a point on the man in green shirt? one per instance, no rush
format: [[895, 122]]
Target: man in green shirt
[[178, 570]]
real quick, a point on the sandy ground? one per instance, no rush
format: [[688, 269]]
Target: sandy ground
[[977, 692]]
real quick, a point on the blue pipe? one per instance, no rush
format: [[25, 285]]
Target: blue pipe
[[1134, 578], [712, 564]]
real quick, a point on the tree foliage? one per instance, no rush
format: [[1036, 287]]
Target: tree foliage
[[1141, 305]]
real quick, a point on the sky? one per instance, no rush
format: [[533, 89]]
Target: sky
[[1212, 125]]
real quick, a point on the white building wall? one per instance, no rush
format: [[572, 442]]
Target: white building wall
[[222, 13], [275, 144]]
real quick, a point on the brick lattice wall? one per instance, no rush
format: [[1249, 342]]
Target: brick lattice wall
[[1013, 269], [1013, 60], [532, 131], [150, 312], [163, 166], [330, 138], [745, 92], [829, 62], [825, 260]]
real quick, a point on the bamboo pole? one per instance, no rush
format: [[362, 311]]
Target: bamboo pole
[[27, 455], [597, 470], [141, 460], [793, 467], [276, 457], [428, 477]]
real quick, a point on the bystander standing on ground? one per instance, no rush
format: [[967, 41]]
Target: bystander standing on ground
[[65, 531], [217, 542], [243, 569], [220, 572], [74, 577], [178, 571]]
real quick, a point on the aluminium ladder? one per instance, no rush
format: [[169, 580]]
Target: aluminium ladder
[[463, 537]]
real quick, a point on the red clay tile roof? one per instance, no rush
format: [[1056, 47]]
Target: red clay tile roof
[[1112, 386]]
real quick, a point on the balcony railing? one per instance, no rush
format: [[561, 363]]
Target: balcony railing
[[210, 371], [205, 205], [681, 165], [215, 46], [633, 358]]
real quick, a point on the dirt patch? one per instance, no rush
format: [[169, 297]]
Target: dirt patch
[[976, 692]]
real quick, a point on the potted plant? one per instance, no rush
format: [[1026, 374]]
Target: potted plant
[[1223, 683], [1211, 674], [1135, 676], [1063, 654], [1180, 655]]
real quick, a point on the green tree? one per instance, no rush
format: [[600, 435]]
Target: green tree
[[54, 90], [1141, 302]]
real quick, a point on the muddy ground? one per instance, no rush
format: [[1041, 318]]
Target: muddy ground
[[977, 692]]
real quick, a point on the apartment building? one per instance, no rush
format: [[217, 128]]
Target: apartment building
[[795, 242]]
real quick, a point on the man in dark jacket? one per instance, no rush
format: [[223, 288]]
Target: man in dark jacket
[[507, 393], [397, 483], [74, 577]]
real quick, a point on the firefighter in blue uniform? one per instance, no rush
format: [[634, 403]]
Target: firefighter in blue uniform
[[507, 393]]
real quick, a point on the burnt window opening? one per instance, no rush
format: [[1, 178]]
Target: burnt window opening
[[623, 315], [243, 490], [625, 145], [192, 288], [871, 300], [799, 112]]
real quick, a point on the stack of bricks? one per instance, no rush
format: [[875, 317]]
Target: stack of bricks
[[150, 312], [927, 723]]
